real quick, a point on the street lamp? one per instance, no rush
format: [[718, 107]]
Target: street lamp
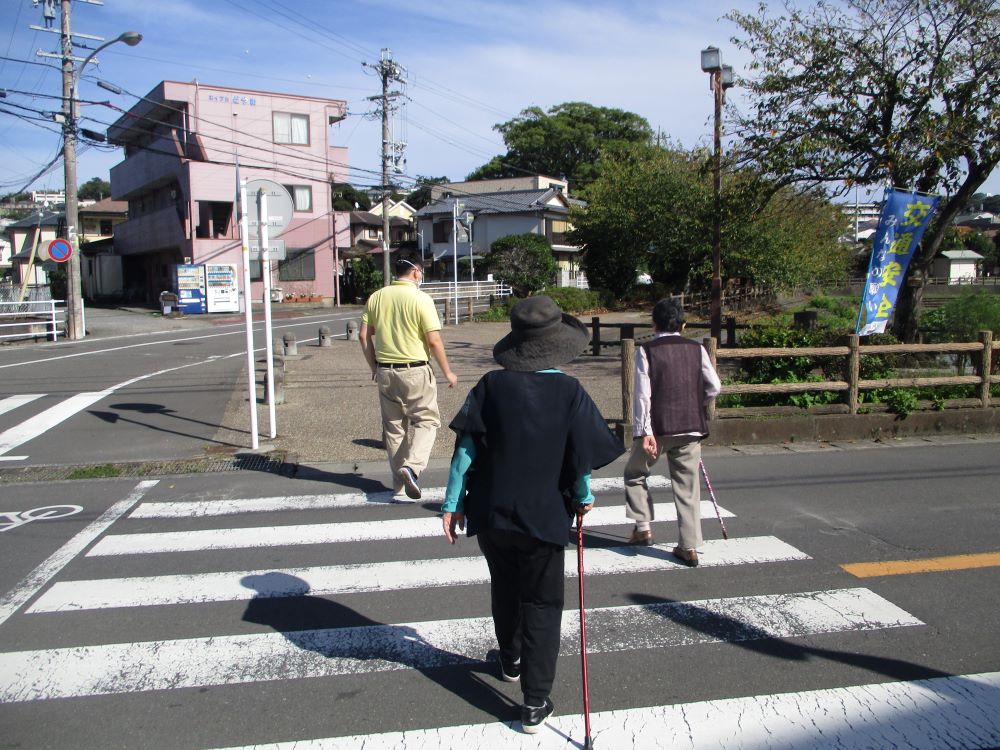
[[75, 328], [720, 79]]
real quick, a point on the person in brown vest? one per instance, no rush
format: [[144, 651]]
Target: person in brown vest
[[674, 379]]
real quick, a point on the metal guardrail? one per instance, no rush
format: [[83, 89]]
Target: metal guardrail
[[33, 318], [440, 290]]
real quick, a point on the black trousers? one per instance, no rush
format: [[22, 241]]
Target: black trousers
[[526, 590]]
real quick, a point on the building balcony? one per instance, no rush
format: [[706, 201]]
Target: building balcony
[[157, 230], [146, 169]]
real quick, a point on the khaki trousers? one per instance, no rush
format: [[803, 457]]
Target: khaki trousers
[[683, 456], [410, 417]]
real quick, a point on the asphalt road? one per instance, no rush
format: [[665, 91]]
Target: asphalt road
[[214, 622]]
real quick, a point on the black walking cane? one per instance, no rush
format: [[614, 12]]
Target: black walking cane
[[711, 494], [588, 743]]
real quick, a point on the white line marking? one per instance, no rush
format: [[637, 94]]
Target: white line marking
[[16, 597], [239, 659], [12, 402], [326, 533], [927, 714], [46, 420], [13, 458], [200, 509], [34, 426], [240, 332], [385, 576]]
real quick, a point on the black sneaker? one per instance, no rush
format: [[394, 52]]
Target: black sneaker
[[410, 483], [533, 718], [510, 671]]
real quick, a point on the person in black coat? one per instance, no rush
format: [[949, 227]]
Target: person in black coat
[[528, 437]]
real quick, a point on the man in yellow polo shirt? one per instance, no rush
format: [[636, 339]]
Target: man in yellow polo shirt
[[400, 331]]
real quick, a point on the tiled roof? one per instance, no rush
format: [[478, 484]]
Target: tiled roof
[[504, 202]]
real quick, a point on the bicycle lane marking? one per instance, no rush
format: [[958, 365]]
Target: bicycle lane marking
[[46, 420], [36, 579]]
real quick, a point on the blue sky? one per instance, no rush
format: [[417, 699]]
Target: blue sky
[[470, 65]]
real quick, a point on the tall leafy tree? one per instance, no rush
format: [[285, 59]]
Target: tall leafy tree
[[653, 207], [565, 141], [346, 197], [523, 261], [876, 92], [420, 196], [94, 189]]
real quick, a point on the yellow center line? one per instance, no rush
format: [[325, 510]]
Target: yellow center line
[[928, 565]]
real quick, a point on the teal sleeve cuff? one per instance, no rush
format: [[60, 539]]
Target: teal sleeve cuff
[[465, 453], [581, 490]]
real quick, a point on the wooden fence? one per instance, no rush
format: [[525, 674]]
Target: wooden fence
[[627, 331], [981, 351]]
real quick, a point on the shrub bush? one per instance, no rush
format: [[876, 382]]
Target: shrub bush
[[573, 300]]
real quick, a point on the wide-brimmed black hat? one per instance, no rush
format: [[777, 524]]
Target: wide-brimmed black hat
[[541, 336]]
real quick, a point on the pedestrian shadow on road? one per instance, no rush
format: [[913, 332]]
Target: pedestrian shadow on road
[[752, 638], [333, 639], [114, 417]]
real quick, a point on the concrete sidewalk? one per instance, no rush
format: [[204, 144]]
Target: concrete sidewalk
[[331, 412]]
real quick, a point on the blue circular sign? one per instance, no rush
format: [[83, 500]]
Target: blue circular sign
[[60, 250]]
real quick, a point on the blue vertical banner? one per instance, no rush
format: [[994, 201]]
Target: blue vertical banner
[[904, 218]]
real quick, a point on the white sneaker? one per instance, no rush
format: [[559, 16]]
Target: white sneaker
[[409, 479]]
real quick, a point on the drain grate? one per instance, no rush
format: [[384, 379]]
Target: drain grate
[[269, 463]]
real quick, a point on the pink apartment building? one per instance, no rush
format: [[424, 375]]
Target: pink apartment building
[[182, 142]]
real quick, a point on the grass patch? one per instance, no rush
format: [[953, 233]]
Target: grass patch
[[104, 471]]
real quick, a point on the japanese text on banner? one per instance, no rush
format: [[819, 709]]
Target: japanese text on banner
[[904, 218]]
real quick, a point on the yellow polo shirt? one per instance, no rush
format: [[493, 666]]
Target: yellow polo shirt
[[401, 315]]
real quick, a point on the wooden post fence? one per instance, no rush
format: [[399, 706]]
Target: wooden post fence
[[628, 368]]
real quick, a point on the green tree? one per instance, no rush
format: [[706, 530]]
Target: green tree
[[875, 91], [420, 196], [566, 141], [348, 198], [653, 208], [94, 189], [980, 243], [523, 261]]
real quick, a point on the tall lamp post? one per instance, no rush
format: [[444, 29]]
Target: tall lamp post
[[75, 328], [720, 79]]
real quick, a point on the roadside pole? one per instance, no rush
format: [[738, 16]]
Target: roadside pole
[[265, 261], [248, 314]]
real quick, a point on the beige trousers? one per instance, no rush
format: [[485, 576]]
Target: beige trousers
[[683, 456], [410, 417]]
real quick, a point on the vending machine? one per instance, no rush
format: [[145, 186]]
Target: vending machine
[[190, 284], [221, 288]]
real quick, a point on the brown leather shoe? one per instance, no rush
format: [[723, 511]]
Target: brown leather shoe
[[641, 537], [687, 556]]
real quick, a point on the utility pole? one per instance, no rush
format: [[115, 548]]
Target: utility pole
[[75, 328], [389, 71]]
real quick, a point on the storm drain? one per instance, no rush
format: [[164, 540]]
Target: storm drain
[[268, 463]]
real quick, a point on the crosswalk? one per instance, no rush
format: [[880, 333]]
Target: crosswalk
[[191, 561]]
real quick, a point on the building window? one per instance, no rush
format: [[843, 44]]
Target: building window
[[442, 231], [105, 226], [372, 234], [256, 269], [299, 265], [555, 231], [302, 196], [290, 128]]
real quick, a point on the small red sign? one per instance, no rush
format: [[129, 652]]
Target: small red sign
[[60, 250]]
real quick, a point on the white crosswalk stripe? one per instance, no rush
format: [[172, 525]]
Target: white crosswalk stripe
[[322, 533], [386, 576], [225, 660], [921, 715], [91, 665], [204, 508]]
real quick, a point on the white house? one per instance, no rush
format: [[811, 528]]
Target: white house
[[543, 211], [957, 266]]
